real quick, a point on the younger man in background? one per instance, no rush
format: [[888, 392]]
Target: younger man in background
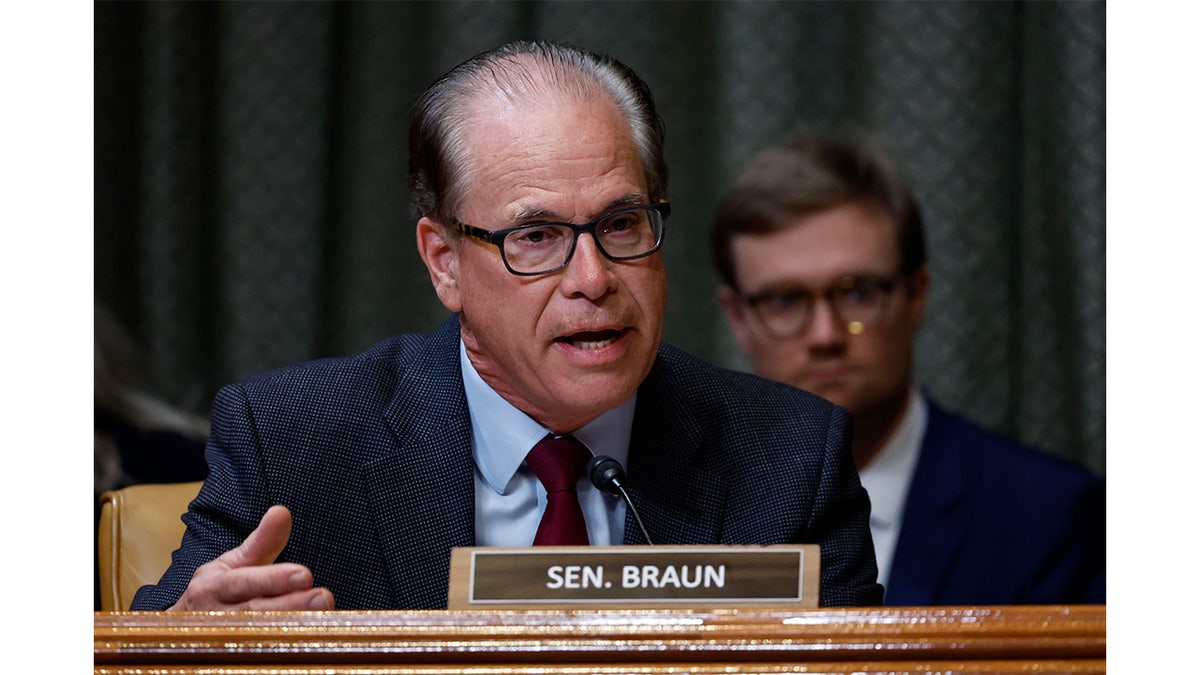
[[821, 252]]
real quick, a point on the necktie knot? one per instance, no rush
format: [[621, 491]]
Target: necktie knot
[[558, 463]]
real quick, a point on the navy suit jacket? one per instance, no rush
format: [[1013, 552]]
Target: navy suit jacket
[[372, 454], [990, 522]]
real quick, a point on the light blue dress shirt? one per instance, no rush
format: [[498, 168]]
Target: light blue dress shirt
[[509, 499], [887, 478]]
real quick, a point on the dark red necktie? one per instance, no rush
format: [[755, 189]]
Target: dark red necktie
[[558, 462]]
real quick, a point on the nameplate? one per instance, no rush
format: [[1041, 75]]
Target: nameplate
[[592, 577]]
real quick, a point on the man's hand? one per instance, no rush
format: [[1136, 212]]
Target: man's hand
[[247, 578]]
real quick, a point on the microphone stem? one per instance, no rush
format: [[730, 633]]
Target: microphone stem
[[634, 511]]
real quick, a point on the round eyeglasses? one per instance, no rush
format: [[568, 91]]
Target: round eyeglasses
[[857, 301], [542, 248]]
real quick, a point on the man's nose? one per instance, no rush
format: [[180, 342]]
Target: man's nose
[[826, 328], [589, 273]]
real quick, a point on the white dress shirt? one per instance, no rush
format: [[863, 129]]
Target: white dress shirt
[[887, 478], [509, 499]]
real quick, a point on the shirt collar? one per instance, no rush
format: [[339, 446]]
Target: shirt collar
[[888, 475], [502, 435]]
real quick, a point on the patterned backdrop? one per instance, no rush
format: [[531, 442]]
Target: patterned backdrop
[[251, 208]]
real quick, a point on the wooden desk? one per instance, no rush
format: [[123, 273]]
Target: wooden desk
[[1050, 639]]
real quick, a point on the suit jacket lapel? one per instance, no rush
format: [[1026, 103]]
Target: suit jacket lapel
[[679, 501], [423, 493], [935, 519]]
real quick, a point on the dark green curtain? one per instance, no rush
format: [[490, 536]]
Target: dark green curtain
[[251, 208]]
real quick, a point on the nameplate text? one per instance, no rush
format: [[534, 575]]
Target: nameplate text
[[635, 576]]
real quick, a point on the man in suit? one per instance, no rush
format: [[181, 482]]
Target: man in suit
[[539, 176], [822, 255]]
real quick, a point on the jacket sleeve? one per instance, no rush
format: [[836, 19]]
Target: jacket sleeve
[[229, 505], [1074, 569], [841, 522]]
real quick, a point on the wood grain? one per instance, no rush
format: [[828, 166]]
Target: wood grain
[[1068, 639]]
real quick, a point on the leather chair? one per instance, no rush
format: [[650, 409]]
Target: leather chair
[[140, 527]]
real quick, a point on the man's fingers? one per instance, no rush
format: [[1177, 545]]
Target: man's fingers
[[280, 586], [265, 543], [234, 587], [247, 577], [312, 599]]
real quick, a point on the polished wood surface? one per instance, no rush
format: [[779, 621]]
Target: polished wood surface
[[1066, 639]]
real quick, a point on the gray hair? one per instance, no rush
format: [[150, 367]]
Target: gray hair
[[437, 166]]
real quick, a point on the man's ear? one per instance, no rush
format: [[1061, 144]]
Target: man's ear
[[440, 255], [735, 315]]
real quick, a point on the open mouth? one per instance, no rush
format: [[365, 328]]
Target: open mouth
[[591, 339]]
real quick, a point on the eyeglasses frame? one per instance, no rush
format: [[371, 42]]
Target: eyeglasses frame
[[496, 237], [888, 284]]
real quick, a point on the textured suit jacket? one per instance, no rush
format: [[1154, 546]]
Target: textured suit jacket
[[991, 522], [372, 454]]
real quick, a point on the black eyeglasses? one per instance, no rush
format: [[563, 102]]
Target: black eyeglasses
[[542, 248], [856, 301]]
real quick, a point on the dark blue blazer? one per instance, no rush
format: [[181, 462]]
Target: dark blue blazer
[[989, 522], [372, 454]]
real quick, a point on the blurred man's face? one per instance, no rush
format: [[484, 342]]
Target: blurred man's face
[[566, 346], [867, 372]]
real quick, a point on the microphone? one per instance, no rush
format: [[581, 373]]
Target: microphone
[[607, 475]]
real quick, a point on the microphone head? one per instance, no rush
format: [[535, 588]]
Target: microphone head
[[605, 473]]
